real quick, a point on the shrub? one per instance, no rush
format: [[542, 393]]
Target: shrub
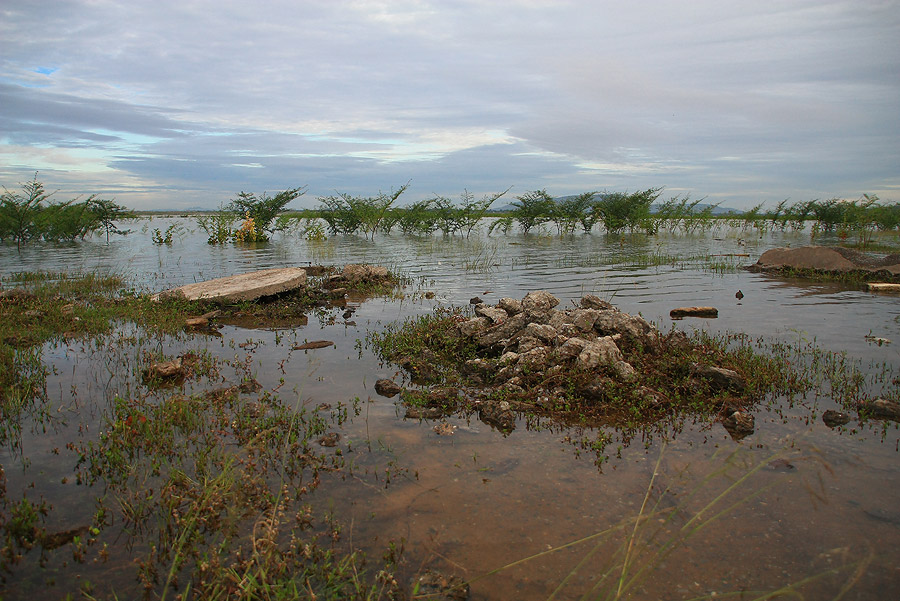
[[24, 216], [219, 226], [346, 214], [19, 212], [105, 213], [65, 221], [568, 213], [620, 210], [533, 209], [259, 212]]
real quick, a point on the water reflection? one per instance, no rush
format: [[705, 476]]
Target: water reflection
[[479, 500]]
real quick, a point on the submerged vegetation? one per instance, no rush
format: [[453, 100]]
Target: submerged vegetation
[[29, 215], [197, 480], [251, 218]]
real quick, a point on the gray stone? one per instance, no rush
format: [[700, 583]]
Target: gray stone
[[543, 332], [633, 327], [534, 360], [540, 317], [584, 319], [624, 370], [470, 327], [569, 330], [508, 358], [495, 314], [538, 301], [602, 351], [589, 301], [719, 377], [510, 305], [527, 343], [571, 348], [559, 319], [244, 287], [501, 331]]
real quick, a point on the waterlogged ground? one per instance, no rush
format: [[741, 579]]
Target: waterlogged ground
[[543, 512]]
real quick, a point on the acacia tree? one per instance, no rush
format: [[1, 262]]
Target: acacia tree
[[19, 212], [65, 221], [533, 209], [105, 213], [568, 213], [261, 211], [618, 210]]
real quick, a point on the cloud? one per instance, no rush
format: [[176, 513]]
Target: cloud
[[169, 101]]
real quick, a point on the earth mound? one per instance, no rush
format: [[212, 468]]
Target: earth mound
[[829, 260]]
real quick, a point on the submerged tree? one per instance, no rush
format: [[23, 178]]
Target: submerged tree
[[106, 213], [19, 212], [619, 210], [259, 212]]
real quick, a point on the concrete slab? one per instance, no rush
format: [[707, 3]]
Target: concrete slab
[[243, 287], [883, 287]]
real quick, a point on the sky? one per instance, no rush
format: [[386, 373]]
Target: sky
[[177, 105]]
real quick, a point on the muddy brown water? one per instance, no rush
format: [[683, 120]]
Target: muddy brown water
[[477, 500]]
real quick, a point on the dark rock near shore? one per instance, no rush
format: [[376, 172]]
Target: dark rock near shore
[[498, 414], [833, 418], [165, 370], [387, 388], [312, 345], [881, 409], [356, 276], [682, 312], [437, 586], [720, 378], [739, 424], [424, 413]]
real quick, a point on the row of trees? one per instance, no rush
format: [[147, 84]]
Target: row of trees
[[29, 214]]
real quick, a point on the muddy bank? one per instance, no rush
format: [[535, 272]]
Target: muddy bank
[[829, 261]]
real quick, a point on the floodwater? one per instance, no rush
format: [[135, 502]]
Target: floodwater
[[822, 502]]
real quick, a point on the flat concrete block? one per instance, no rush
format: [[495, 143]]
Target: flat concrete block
[[244, 287], [883, 287]]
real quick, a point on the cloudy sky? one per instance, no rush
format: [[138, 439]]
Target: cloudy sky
[[176, 104]]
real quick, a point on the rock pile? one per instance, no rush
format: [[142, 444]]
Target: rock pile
[[531, 336], [538, 357]]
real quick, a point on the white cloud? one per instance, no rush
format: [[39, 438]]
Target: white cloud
[[738, 101]]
